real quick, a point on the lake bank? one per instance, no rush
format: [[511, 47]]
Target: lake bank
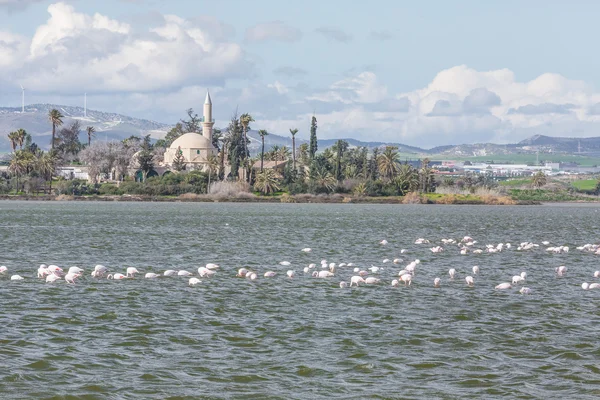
[[301, 198]]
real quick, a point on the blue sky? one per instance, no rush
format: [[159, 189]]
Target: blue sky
[[416, 72]]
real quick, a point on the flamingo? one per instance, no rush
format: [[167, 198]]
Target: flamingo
[[3, 269], [306, 270], [71, 276], [395, 283], [322, 274], [52, 278], [291, 274], [285, 263], [151, 275], [16, 278], [595, 286], [116, 276], [242, 272], [503, 286], [194, 281], [269, 274], [383, 242], [397, 260], [306, 250], [437, 282], [188, 273], [470, 281], [55, 269], [451, 272], [99, 271], [343, 284], [131, 271], [356, 279], [212, 266], [372, 281], [252, 276], [170, 272], [75, 270], [311, 266], [517, 279], [525, 290], [475, 270], [407, 279], [42, 271], [560, 271], [585, 286], [204, 272], [597, 274]]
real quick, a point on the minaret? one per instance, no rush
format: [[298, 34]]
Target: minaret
[[207, 121]]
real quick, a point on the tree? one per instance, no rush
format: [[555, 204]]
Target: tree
[[313, 138], [323, 179], [145, 157], [407, 179], [245, 120], [293, 132], [14, 140], [539, 179], [193, 124], [339, 148], [21, 162], [91, 132], [234, 145], [262, 133], [21, 135], [56, 119], [388, 162], [179, 160], [67, 141], [267, 182], [46, 165]]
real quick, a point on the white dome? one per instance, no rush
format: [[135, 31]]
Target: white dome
[[191, 140]]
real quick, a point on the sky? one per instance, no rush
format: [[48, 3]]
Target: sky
[[422, 73]]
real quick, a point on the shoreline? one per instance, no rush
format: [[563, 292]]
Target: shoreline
[[300, 199]]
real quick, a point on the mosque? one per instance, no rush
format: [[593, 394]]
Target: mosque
[[195, 147]]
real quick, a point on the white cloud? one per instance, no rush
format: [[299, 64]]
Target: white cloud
[[276, 30], [73, 52]]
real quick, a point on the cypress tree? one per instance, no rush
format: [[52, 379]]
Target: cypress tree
[[313, 138]]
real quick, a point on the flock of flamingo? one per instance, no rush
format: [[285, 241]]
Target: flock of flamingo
[[366, 276]]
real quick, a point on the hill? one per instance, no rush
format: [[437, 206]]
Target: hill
[[108, 125]]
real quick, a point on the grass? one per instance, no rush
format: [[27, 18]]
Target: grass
[[515, 182], [585, 184]]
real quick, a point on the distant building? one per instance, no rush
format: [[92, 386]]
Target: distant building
[[195, 147]]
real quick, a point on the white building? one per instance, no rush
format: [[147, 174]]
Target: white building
[[195, 147]]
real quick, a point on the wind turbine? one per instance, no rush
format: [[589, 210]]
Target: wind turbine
[[22, 99]]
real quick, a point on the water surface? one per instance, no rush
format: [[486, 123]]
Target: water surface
[[301, 338]]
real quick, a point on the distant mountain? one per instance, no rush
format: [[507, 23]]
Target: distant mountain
[[109, 126], [589, 145], [277, 140], [112, 126]]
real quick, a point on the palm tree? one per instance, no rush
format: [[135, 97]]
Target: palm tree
[[407, 179], [293, 132], [20, 163], [387, 162], [262, 133], [283, 153], [55, 118], [91, 132], [267, 182], [14, 140], [274, 153], [324, 179], [245, 120], [539, 179], [46, 163], [21, 135]]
